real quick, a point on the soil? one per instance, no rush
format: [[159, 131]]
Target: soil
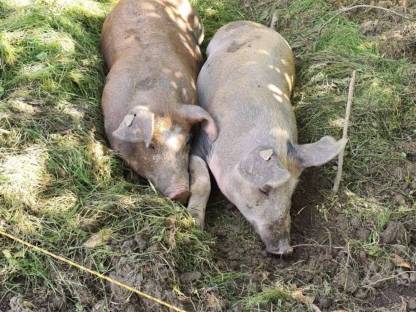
[[321, 255], [396, 36], [356, 278]]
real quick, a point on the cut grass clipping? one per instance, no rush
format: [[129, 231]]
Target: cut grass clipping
[[62, 189]]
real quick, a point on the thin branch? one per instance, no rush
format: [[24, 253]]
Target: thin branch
[[368, 6], [88, 270], [344, 133], [317, 245], [347, 265], [387, 278], [273, 23]]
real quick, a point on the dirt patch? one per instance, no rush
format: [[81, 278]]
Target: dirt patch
[[324, 254], [396, 36], [153, 280], [239, 249], [395, 296], [18, 304], [400, 42]]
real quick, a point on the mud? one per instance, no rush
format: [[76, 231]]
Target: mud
[[322, 254], [395, 35], [325, 258], [154, 278]]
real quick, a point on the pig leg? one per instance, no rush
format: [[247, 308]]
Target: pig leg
[[200, 189]]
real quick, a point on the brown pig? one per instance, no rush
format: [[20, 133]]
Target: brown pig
[[151, 49], [245, 85]]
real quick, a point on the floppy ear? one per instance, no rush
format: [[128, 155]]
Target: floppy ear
[[261, 168], [318, 153], [195, 114], [137, 126]]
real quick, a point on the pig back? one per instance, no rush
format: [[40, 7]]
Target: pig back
[[149, 30], [152, 53], [247, 81]]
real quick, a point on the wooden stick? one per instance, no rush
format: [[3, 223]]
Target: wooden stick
[[344, 133], [92, 272], [273, 23]]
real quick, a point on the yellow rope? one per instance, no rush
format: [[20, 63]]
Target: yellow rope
[[99, 275]]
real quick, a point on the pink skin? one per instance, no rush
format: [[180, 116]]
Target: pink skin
[[180, 195], [151, 49], [245, 85]]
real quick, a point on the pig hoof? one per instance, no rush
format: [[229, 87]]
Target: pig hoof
[[280, 251], [199, 223], [198, 215]]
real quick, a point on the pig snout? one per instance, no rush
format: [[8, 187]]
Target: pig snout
[[276, 237], [281, 248], [172, 180], [177, 191], [180, 195]]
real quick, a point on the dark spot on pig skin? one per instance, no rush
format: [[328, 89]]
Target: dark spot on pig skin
[[146, 84], [235, 46], [132, 33]]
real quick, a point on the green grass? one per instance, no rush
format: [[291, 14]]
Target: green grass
[[216, 13], [60, 184], [272, 295], [382, 124]]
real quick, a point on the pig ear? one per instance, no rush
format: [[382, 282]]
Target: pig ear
[[137, 126], [195, 114], [261, 170], [319, 153]]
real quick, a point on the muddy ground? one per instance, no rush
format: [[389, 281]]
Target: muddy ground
[[334, 262]]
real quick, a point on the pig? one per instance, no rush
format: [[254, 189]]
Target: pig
[[151, 49], [246, 86]]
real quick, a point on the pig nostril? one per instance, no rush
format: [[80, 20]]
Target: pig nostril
[[289, 251], [281, 251], [180, 196]]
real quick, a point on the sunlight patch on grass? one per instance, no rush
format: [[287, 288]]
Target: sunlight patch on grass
[[57, 40], [53, 206], [19, 3], [7, 51], [25, 223], [102, 161], [89, 7], [216, 13], [23, 176]]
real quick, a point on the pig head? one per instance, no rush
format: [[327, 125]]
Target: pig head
[[262, 183], [246, 85], [151, 48]]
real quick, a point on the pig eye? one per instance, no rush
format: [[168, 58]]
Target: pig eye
[[152, 147], [188, 140], [264, 192]]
